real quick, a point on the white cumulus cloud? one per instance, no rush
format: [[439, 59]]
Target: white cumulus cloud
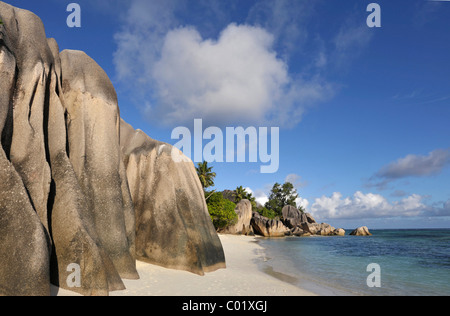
[[237, 78], [234, 77], [366, 206], [260, 197], [301, 202]]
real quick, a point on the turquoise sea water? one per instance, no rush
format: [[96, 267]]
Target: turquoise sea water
[[412, 262]]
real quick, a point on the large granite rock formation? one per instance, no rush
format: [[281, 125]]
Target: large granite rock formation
[[173, 226], [92, 120], [65, 197], [73, 227], [24, 171]]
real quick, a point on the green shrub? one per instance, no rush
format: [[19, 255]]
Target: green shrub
[[280, 196], [266, 213], [221, 210]]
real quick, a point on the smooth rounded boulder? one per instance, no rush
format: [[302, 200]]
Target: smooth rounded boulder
[[339, 232], [173, 226], [75, 240], [361, 231], [92, 120]]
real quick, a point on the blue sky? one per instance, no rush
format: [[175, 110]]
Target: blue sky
[[363, 112]]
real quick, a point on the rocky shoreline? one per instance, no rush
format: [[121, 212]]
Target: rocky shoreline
[[292, 223]]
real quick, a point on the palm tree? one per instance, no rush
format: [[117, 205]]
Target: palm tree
[[205, 175], [240, 194]]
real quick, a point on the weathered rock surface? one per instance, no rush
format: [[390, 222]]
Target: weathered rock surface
[[73, 229], [292, 217], [59, 229], [326, 230], [173, 226], [322, 229], [297, 231], [64, 193], [25, 47], [307, 218], [92, 120], [24, 255], [339, 232], [290, 212], [268, 227], [313, 229], [24, 171], [361, 231], [295, 223], [243, 226]]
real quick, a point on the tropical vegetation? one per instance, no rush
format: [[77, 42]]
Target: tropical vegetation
[[241, 194], [221, 210], [280, 196], [205, 175], [222, 205]]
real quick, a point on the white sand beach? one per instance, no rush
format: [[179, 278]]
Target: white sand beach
[[242, 277]]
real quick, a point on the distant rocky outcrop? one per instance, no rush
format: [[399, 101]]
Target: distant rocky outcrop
[[303, 224], [294, 223], [268, 227], [297, 231], [361, 231], [80, 186], [243, 225], [293, 218], [339, 232]]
